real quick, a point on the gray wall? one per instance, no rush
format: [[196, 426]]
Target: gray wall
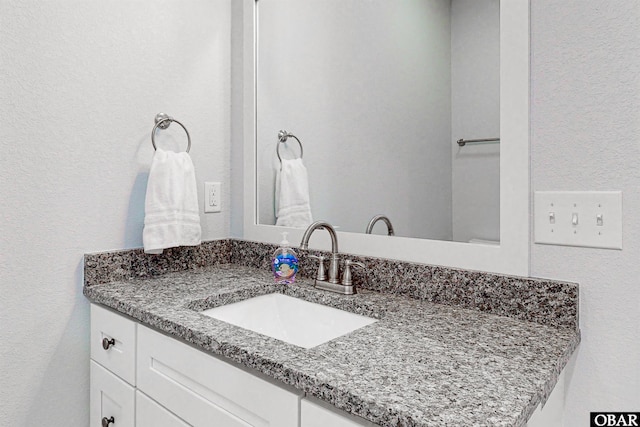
[[475, 113], [80, 84], [585, 135], [366, 87]]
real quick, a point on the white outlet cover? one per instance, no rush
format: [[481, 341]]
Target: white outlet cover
[[570, 218], [212, 197]]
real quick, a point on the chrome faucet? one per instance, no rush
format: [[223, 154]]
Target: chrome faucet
[[333, 262], [378, 218], [347, 287]]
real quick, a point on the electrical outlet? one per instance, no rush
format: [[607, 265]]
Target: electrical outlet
[[212, 197], [578, 218]]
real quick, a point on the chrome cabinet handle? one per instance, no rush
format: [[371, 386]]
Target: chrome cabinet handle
[[106, 343], [106, 421]]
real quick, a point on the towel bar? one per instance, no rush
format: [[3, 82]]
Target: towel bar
[[462, 142], [163, 121]]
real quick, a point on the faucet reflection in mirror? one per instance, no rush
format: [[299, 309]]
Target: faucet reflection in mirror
[[377, 218]]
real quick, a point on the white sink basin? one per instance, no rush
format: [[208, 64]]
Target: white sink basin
[[289, 319]]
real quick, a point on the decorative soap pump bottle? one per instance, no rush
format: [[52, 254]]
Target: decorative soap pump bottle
[[284, 263]]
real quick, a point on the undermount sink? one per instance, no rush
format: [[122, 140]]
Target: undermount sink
[[290, 319]]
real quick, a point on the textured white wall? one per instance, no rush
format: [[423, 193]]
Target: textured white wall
[[475, 113], [366, 87], [80, 83], [585, 122]]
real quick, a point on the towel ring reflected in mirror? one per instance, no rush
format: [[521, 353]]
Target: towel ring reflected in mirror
[[163, 121], [283, 135]]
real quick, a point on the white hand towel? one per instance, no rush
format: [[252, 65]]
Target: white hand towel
[[171, 206], [292, 195]]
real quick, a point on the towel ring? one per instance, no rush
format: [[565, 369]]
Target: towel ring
[[283, 135], [163, 121]]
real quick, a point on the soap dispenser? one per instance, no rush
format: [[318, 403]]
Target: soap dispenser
[[284, 263]]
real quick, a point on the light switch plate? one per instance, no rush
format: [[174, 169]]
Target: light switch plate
[[578, 218]]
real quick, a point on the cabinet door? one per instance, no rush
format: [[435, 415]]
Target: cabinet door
[[110, 398], [119, 356], [314, 415], [206, 391], [150, 414]]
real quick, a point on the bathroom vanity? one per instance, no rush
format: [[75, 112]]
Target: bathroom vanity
[[451, 346], [420, 364], [178, 385]]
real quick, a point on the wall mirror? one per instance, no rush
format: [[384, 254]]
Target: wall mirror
[[378, 92]]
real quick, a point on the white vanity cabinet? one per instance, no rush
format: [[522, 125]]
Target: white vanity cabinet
[[205, 391], [142, 378], [111, 399], [113, 342], [151, 414], [112, 391]]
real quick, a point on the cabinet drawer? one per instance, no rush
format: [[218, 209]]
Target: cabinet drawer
[[109, 396], [120, 356], [315, 415], [150, 414], [205, 391]]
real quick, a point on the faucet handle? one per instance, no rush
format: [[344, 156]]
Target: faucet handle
[[348, 262], [346, 274], [321, 274]]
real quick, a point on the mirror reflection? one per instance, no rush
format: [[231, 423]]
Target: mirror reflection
[[377, 93]]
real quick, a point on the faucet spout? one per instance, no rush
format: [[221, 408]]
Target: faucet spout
[[304, 244], [378, 218], [333, 263]]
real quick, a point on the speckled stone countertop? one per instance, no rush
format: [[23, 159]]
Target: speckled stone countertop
[[421, 364]]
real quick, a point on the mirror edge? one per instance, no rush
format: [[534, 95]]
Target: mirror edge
[[512, 256]]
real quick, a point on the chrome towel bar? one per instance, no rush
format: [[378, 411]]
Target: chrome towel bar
[[462, 142], [163, 121]]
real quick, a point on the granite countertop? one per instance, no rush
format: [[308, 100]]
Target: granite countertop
[[421, 364]]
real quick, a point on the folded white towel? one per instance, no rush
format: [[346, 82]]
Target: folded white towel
[[292, 195], [171, 206]]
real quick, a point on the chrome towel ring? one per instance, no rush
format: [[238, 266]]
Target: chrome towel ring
[[163, 121], [283, 135]]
